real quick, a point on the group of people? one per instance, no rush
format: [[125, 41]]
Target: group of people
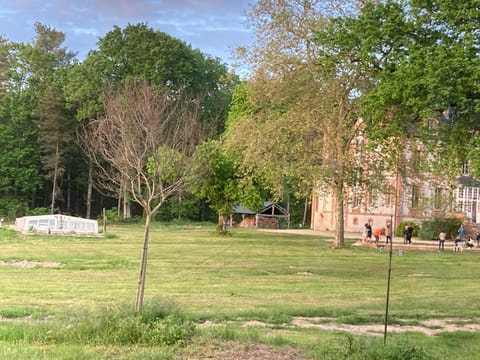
[[461, 236], [368, 232], [377, 233]]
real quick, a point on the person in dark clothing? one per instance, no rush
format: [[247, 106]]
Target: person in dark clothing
[[368, 232], [408, 233]]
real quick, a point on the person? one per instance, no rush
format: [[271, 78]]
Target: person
[[405, 234], [470, 243], [376, 233], [461, 232], [478, 239], [458, 244], [408, 233], [364, 233], [368, 231], [441, 240], [388, 233]]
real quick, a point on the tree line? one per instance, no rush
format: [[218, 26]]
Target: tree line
[[47, 97]]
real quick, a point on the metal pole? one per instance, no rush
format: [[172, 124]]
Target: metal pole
[[388, 280]]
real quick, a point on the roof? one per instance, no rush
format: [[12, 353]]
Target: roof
[[239, 209], [467, 181], [268, 209]]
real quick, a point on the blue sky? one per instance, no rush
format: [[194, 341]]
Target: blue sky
[[213, 26]]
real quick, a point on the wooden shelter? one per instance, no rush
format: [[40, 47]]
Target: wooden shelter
[[268, 217]]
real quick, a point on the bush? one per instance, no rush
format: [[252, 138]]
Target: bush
[[430, 229], [401, 227]]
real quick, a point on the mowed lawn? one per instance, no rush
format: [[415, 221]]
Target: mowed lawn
[[248, 275]]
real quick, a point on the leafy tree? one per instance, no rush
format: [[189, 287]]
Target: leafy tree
[[54, 134], [215, 176], [138, 51], [143, 144], [302, 113], [20, 172], [27, 70]]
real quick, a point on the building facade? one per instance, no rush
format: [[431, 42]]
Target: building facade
[[404, 198]]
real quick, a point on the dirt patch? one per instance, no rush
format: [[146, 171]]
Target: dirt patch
[[246, 351], [30, 264], [428, 327]]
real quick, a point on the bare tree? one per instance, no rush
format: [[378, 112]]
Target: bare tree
[[143, 145]]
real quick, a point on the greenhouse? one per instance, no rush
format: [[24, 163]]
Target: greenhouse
[[56, 224]]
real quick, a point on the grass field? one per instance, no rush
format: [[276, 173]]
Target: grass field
[[77, 302]]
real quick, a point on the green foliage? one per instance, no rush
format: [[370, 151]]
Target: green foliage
[[185, 207], [157, 324], [138, 51], [430, 229], [216, 176], [401, 227], [353, 348], [12, 207], [111, 214], [38, 211], [168, 164]]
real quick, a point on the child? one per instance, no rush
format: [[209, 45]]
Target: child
[[376, 233], [470, 243], [458, 244]]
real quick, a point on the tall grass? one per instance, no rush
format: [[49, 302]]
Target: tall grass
[[157, 324]]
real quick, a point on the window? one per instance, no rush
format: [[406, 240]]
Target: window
[[465, 168], [390, 198], [415, 194], [417, 160], [357, 201], [437, 200]]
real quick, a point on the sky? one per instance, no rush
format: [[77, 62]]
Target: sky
[[213, 26]]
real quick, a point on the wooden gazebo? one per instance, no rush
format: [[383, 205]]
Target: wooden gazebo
[[268, 217]]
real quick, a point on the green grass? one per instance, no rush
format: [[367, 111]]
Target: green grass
[[250, 275]]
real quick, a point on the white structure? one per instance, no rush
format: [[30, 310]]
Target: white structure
[[56, 224]]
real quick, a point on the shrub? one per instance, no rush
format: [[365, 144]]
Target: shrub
[[430, 229], [401, 227]]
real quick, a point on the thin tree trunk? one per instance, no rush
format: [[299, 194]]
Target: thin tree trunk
[[305, 211], [120, 209], [126, 205], [89, 191], [143, 264], [339, 213], [55, 173], [69, 191]]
